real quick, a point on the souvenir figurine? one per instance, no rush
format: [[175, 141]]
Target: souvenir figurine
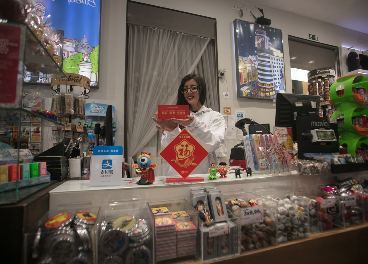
[[145, 169], [249, 171], [222, 169], [212, 171], [204, 214], [220, 210], [237, 173]]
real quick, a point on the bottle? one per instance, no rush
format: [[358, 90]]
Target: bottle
[[86, 167]]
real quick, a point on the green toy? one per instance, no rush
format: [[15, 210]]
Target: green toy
[[350, 103], [212, 171]]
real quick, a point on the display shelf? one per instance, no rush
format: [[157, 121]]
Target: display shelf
[[11, 117], [19, 127], [7, 186], [324, 244], [42, 61]]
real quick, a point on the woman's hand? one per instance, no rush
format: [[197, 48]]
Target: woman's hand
[[184, 122], [164, 124]]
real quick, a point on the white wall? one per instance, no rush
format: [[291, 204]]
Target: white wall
[[113, 37]]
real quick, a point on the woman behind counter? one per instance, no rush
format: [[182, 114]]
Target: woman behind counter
[[205, 125]]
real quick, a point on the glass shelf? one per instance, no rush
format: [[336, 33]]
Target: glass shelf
[[12, 116]]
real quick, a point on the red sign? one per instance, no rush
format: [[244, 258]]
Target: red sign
[[9, 61], [173, 111], [184, 153]]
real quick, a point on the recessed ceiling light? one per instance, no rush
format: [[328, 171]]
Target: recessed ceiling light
[[293, 58], [310, 61]]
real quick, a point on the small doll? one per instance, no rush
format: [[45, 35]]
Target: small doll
[[212, 171], [222, 169], [204, 214], [220, 210]]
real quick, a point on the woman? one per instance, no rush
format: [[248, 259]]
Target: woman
[[205, 125]]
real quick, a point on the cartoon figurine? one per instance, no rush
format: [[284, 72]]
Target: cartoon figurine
[[212, 171], [237, 173], [249, 171], [145, 169], [204, 214], [220, 210], [222, 169]]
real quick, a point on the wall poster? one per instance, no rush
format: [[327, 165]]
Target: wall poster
[[259, 59], [79, 23]]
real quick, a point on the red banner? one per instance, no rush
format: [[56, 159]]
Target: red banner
[[9, 62], [184, 153]]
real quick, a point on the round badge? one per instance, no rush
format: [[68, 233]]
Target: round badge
[[114, 242], [113, 260], [85, 238], [85, 217], [82, 258], [126, 223], [59, 220], [138, 255], [141, 230], [61, 247]]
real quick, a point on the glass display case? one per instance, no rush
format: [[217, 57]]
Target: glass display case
[[21, 129]]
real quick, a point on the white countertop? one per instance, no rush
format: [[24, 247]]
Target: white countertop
[[160, 181]]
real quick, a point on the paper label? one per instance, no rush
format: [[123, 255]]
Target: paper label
[[219, 230], [172, 111], [349, 200], [252, 215], [106, 165], [327, 203]]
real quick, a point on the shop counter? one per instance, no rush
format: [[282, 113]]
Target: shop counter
[[80, 191]]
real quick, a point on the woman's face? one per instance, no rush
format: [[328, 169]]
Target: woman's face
[[191, 95]]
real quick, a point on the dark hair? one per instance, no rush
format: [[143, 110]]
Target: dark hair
[[201, 89], [222, 163]]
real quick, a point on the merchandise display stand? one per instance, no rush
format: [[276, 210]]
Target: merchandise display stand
[[349, 96], [333, 244]]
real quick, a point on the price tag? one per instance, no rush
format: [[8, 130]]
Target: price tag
[[327, 203], [349, 200], [219, 229], [252, 215]]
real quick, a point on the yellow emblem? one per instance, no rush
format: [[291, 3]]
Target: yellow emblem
[[184, 154]]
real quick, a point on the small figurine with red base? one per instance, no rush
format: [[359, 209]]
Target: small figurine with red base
[[222, 169], [145, 169]]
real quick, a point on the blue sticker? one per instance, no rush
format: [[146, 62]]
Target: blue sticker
[[107, 164]]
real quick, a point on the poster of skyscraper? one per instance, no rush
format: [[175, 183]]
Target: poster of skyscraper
[[79, 23], [259, 60]]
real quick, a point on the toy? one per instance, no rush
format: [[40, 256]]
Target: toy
[[145, 169], [212, 171], [222, 169], [237, 173], [249, 171], [204, 214], [220, 209]]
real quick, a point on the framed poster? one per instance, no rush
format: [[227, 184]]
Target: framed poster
[[78, 22], [259, 59]]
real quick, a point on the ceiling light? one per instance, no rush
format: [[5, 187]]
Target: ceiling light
[[293, 58], [310, 61]]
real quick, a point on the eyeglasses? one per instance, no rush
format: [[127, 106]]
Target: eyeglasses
[[192, 88]]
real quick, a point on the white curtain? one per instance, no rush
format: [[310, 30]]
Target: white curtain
[[208, 70], [157, 61]]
